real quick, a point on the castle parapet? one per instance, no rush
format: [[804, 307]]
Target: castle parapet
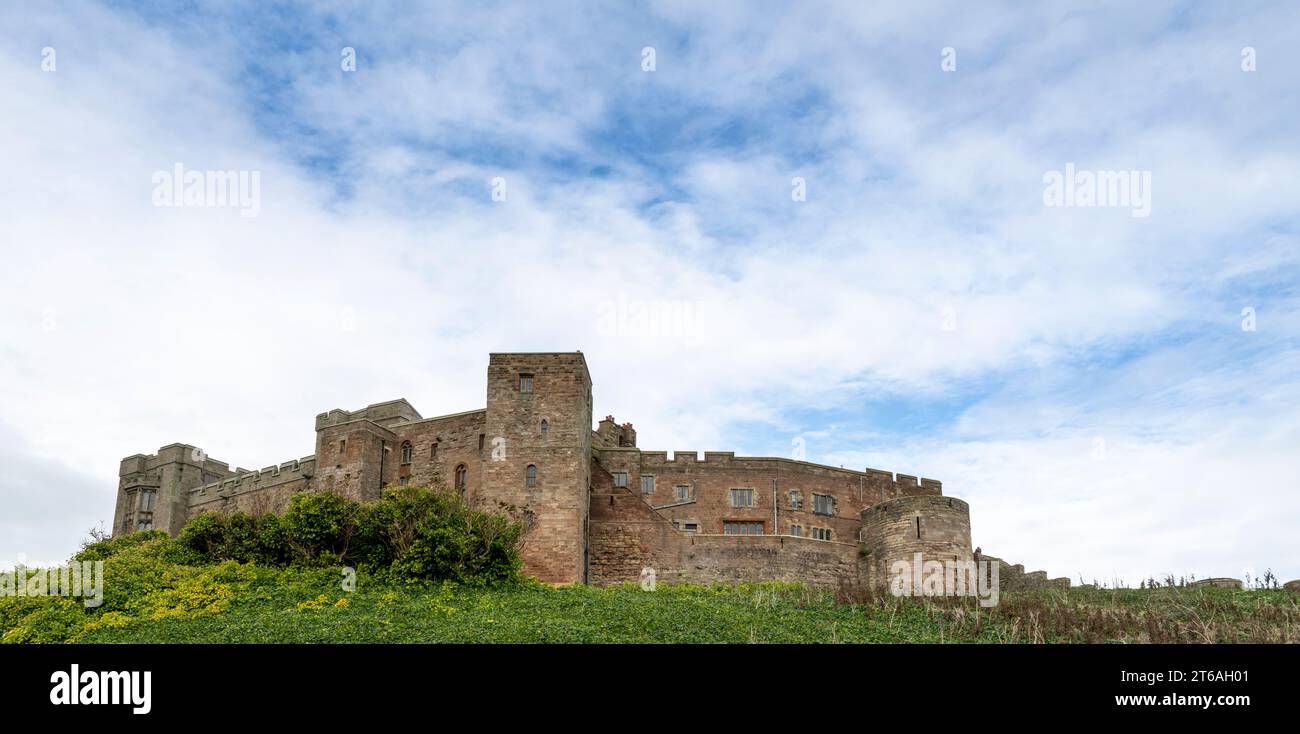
[[289, 471], [388, 413]]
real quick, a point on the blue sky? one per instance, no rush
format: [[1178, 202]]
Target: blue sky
[[1081, 375]]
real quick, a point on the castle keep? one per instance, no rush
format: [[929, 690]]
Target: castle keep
[[598, 508]]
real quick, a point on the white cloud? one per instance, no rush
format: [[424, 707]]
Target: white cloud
[[924, 193]]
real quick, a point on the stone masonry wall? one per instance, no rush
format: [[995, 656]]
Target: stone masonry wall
[[627, 534], [438, 447], [547, 427], [936, 527], [783, 490]]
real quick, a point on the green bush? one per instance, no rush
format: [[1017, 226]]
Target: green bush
[[272, 546], [323, 529], [411, 533], [430, 534], [205, 534], [103, 549], [237, 537], [54, 619]]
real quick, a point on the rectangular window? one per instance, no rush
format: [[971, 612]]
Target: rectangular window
[[821, 533], [796, 499], [147, 498], [796, 531], [823, 504], [742, 528], [620, 479], [742, 498], [682, 492], [525, 383], [692, 527], [648, 484]]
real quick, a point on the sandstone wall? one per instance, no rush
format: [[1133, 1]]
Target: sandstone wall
[[556, 504], [627, 534], [936, 527], [784, 491]]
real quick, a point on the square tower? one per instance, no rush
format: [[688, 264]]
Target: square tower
[[537, 444]]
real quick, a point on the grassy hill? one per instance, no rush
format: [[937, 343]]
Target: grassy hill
[[151, 599]]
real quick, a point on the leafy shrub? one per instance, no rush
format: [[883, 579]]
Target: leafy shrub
[[103, 549], [236, 536], [432, 534], [205, 534], [54, 619], [324, 528], [411, 533]]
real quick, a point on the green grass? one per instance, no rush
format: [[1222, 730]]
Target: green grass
[[376, 612], [297, 610], [154, 592]]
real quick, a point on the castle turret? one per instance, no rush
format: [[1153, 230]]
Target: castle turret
[[153, 491], [896, 530]]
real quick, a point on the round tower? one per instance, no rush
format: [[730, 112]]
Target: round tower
[[896, 530]]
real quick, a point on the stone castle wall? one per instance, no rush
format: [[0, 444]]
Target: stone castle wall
[[627, 535], [818, 524]]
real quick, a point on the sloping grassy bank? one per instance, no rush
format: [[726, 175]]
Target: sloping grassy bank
[[149, 597]]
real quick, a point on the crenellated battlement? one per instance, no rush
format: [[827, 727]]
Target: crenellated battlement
[[245, 480], [903, 483], [387, 413]]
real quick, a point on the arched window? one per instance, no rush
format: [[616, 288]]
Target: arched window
[[546, 427], [460, 478], [406, 452], [532, 475]]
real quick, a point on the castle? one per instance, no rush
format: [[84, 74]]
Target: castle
[[598, 509]]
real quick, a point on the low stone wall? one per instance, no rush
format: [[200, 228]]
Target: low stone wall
[[1012, 577], [737, 558], [1217, 583]]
